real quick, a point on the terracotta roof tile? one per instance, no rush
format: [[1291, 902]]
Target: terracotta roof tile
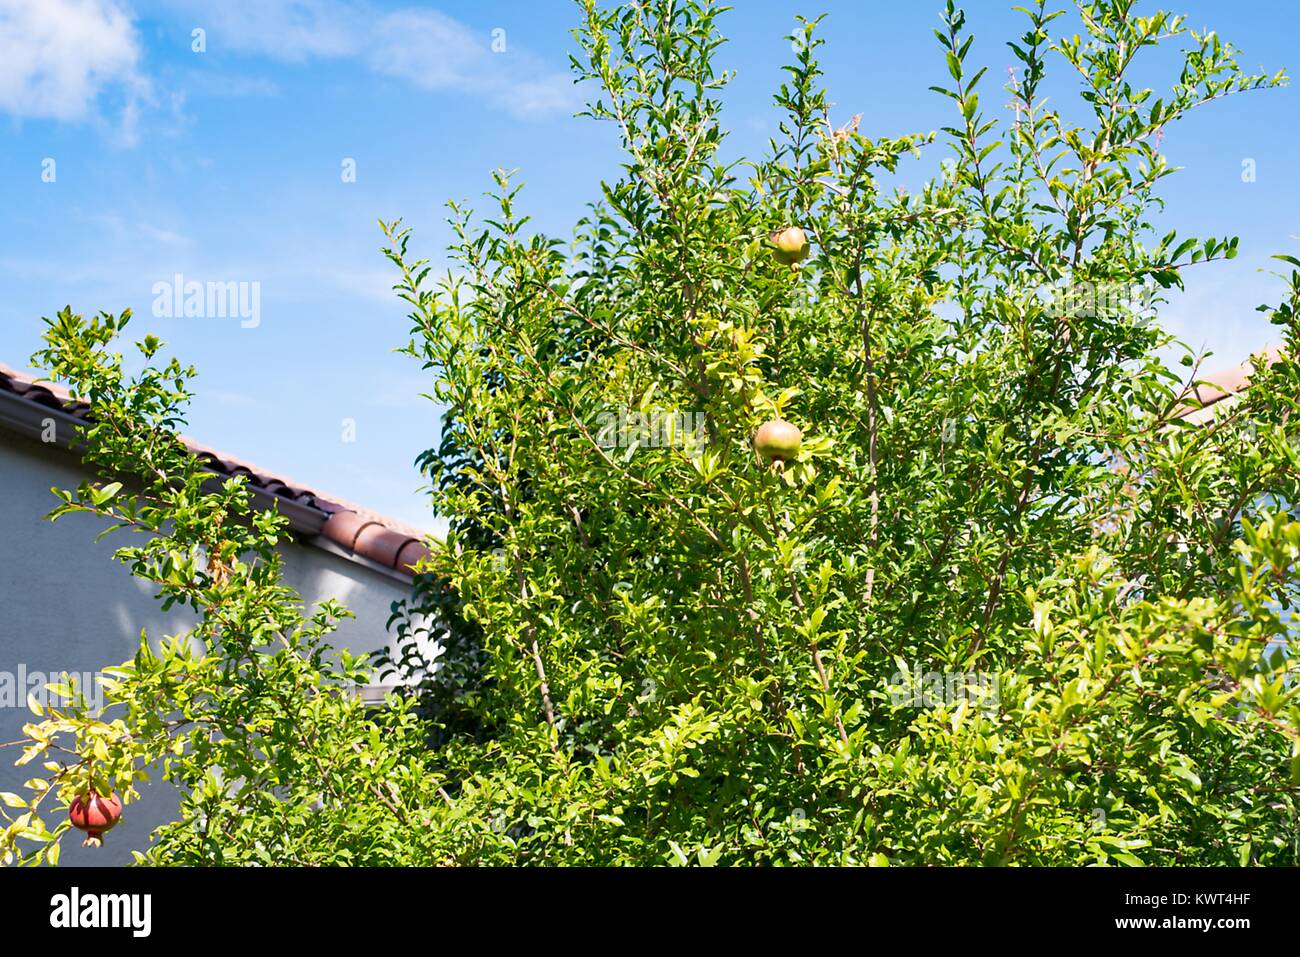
[[382, 540], [380, 544], [1227, 382], [412, 553], [344, 527]]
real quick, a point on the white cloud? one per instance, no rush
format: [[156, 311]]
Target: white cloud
[[426, 47], [75, 59], [213, 83], [122, 231], [58, 57], [548, 93], [421, 46], [293, 30]]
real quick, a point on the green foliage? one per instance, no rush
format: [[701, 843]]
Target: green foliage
[[682, 656], [690, 657], [249, 713]]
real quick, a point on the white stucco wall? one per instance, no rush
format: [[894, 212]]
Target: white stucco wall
[[66, 605]]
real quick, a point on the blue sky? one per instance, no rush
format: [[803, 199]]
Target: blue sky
[[226, 166]]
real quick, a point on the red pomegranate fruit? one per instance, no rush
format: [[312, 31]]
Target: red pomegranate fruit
[[777, 442], [95, 815], [791, 245]]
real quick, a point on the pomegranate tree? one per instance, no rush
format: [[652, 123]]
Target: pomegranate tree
[[951, 635]]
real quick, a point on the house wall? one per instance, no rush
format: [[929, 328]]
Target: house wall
[[66, 605]]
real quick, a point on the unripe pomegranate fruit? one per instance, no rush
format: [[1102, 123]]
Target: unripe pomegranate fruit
[[791, 245], [95, 815], [777, 442]]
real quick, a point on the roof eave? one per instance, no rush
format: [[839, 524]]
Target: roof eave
[[32, 420]]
